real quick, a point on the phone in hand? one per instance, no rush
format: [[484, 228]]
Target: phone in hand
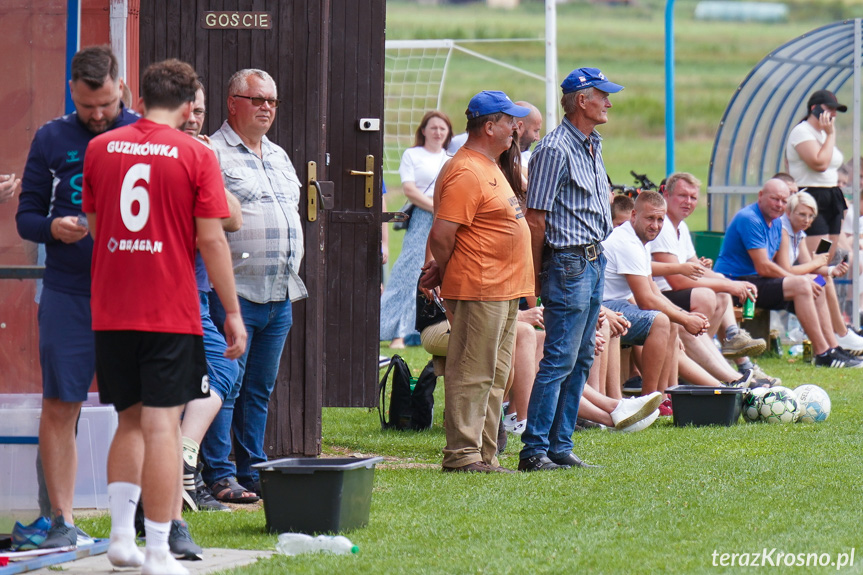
[[823, 247], [845, 259], [818, 110]]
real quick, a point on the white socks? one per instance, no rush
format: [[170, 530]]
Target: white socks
[[190, 452], [123, 501], [158, 559]]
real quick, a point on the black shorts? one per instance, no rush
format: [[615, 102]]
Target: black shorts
[[680, 298], [831, 209], [770, 293], [151, 368]]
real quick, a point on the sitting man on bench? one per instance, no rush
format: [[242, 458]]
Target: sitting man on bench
[[750, 252]]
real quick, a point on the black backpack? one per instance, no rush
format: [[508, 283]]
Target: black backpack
[[409, 409]]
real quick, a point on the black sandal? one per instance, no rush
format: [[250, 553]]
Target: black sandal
[[227, 490]]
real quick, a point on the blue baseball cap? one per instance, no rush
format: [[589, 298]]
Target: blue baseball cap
[[492, 102], [588, 78]]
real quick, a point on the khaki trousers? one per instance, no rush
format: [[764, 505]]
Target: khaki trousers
[[479, 358]]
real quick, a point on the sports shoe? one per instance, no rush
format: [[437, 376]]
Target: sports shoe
[[60, 534], [761, 379], [159, 562], [641, 424], [743, 344], [851, 342], [189, 487], [744, 381], [665, 408], [204, 497], [510, 421], [838, 358], [84, 540], [181, 544], [582, 423], [628, 411], [28, 537]]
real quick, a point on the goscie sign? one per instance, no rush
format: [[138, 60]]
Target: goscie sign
[[236, 20]]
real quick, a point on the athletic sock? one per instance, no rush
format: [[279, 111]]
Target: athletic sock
[[123, 500], [731, 331], [741, 367], [190, 452], [157, 534]]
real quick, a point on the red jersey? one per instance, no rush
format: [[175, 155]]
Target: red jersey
[[147, 183]]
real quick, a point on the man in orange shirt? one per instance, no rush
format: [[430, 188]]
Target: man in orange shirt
[[481, 244]]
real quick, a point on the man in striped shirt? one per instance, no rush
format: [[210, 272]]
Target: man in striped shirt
[[569, 214]]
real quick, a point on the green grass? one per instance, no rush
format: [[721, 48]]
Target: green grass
[[663, 501]]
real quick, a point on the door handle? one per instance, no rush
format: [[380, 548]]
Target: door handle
[[369, 175], [316, 189]]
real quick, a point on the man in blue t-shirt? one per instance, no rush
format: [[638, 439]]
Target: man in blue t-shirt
[[750, 252], [49, 212]]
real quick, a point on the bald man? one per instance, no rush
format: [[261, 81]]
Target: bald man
[[529, 129]]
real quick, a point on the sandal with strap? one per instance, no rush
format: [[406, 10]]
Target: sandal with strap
[[228, 490]]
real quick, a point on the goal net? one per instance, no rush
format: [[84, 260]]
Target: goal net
[[415, 78]]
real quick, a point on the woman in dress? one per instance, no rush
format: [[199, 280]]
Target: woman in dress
[[419, 170], [814, 162]]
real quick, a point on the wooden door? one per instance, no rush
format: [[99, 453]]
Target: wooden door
[[327, 58]]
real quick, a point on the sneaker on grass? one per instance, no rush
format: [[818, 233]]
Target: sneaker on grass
[[641, 424], [630, 410], [761, 379], [851, 343], [742, 344], [745, 380], [181, 544], [665, 408], [837, 358], [28, 537]]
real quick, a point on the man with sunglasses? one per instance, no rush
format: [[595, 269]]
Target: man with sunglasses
[[266, 253]]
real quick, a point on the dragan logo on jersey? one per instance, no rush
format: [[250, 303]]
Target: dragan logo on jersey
[[132, 246]]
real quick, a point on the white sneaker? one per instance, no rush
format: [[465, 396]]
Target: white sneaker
[[519, 427], [161, 562], [630, 410], [124, 552], [510, 421], [642, 424], [851, 342]]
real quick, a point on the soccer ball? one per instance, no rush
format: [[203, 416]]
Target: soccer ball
[[814, 403], [778, 405], [752, 404]]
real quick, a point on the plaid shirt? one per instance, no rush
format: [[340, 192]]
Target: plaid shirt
[[571, 185], [268, 249]]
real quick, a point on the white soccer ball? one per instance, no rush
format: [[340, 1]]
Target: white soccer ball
[[778, 405], [752, 404], [813, 402]]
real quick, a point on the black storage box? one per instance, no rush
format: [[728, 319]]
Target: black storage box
[[699, 405], [312, 495]]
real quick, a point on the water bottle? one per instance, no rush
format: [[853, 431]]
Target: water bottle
[[298, 543], [795, 350]]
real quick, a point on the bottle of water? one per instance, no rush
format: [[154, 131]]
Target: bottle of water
[[298, 543], [795, 350]]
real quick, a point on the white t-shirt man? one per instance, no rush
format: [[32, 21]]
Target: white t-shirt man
[[625, 255], [803, 174], [422, 167], [670, 241]]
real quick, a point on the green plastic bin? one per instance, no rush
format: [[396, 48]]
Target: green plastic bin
[[708, 244]]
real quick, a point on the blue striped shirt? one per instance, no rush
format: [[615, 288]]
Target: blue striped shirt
[[571, 185]]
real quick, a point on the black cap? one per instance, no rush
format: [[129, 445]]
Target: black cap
[[826, 98]]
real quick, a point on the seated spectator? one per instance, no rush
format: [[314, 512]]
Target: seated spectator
[[750, 252], [788, 179], [801, 212], [688, 282], [628, 279], [621, 209]]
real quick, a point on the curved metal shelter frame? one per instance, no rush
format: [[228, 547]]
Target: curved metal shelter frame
[[750, 142]]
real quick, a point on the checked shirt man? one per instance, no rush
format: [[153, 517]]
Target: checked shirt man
[[569, 214]]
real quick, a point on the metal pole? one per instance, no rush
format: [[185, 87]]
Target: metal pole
[[855, 176], [550, 64], [669, 87], [73, 39]]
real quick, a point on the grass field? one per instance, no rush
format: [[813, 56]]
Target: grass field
[[664, 500]]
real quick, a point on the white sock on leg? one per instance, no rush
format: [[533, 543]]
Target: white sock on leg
[[123, 500], [158, 559]]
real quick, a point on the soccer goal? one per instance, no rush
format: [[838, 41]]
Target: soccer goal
[[416, 73]]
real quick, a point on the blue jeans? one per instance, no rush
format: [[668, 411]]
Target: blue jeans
[[244, 410], [221, 370], [571, 294]]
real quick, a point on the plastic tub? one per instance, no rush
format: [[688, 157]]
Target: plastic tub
[[312, 495], [699, 405]]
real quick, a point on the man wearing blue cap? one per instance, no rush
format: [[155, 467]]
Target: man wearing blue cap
[[481, 244], [569, 214]]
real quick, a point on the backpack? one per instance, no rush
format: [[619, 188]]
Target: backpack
[[409, 409]]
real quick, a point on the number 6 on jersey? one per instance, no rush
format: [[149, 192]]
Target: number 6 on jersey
[[130, 193]]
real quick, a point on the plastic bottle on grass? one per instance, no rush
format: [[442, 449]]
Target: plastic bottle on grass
[[298, 543]]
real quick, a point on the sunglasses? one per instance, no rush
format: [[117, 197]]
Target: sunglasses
[[258, 101]]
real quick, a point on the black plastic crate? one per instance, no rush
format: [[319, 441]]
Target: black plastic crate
[[311, 495], [699, 405]]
